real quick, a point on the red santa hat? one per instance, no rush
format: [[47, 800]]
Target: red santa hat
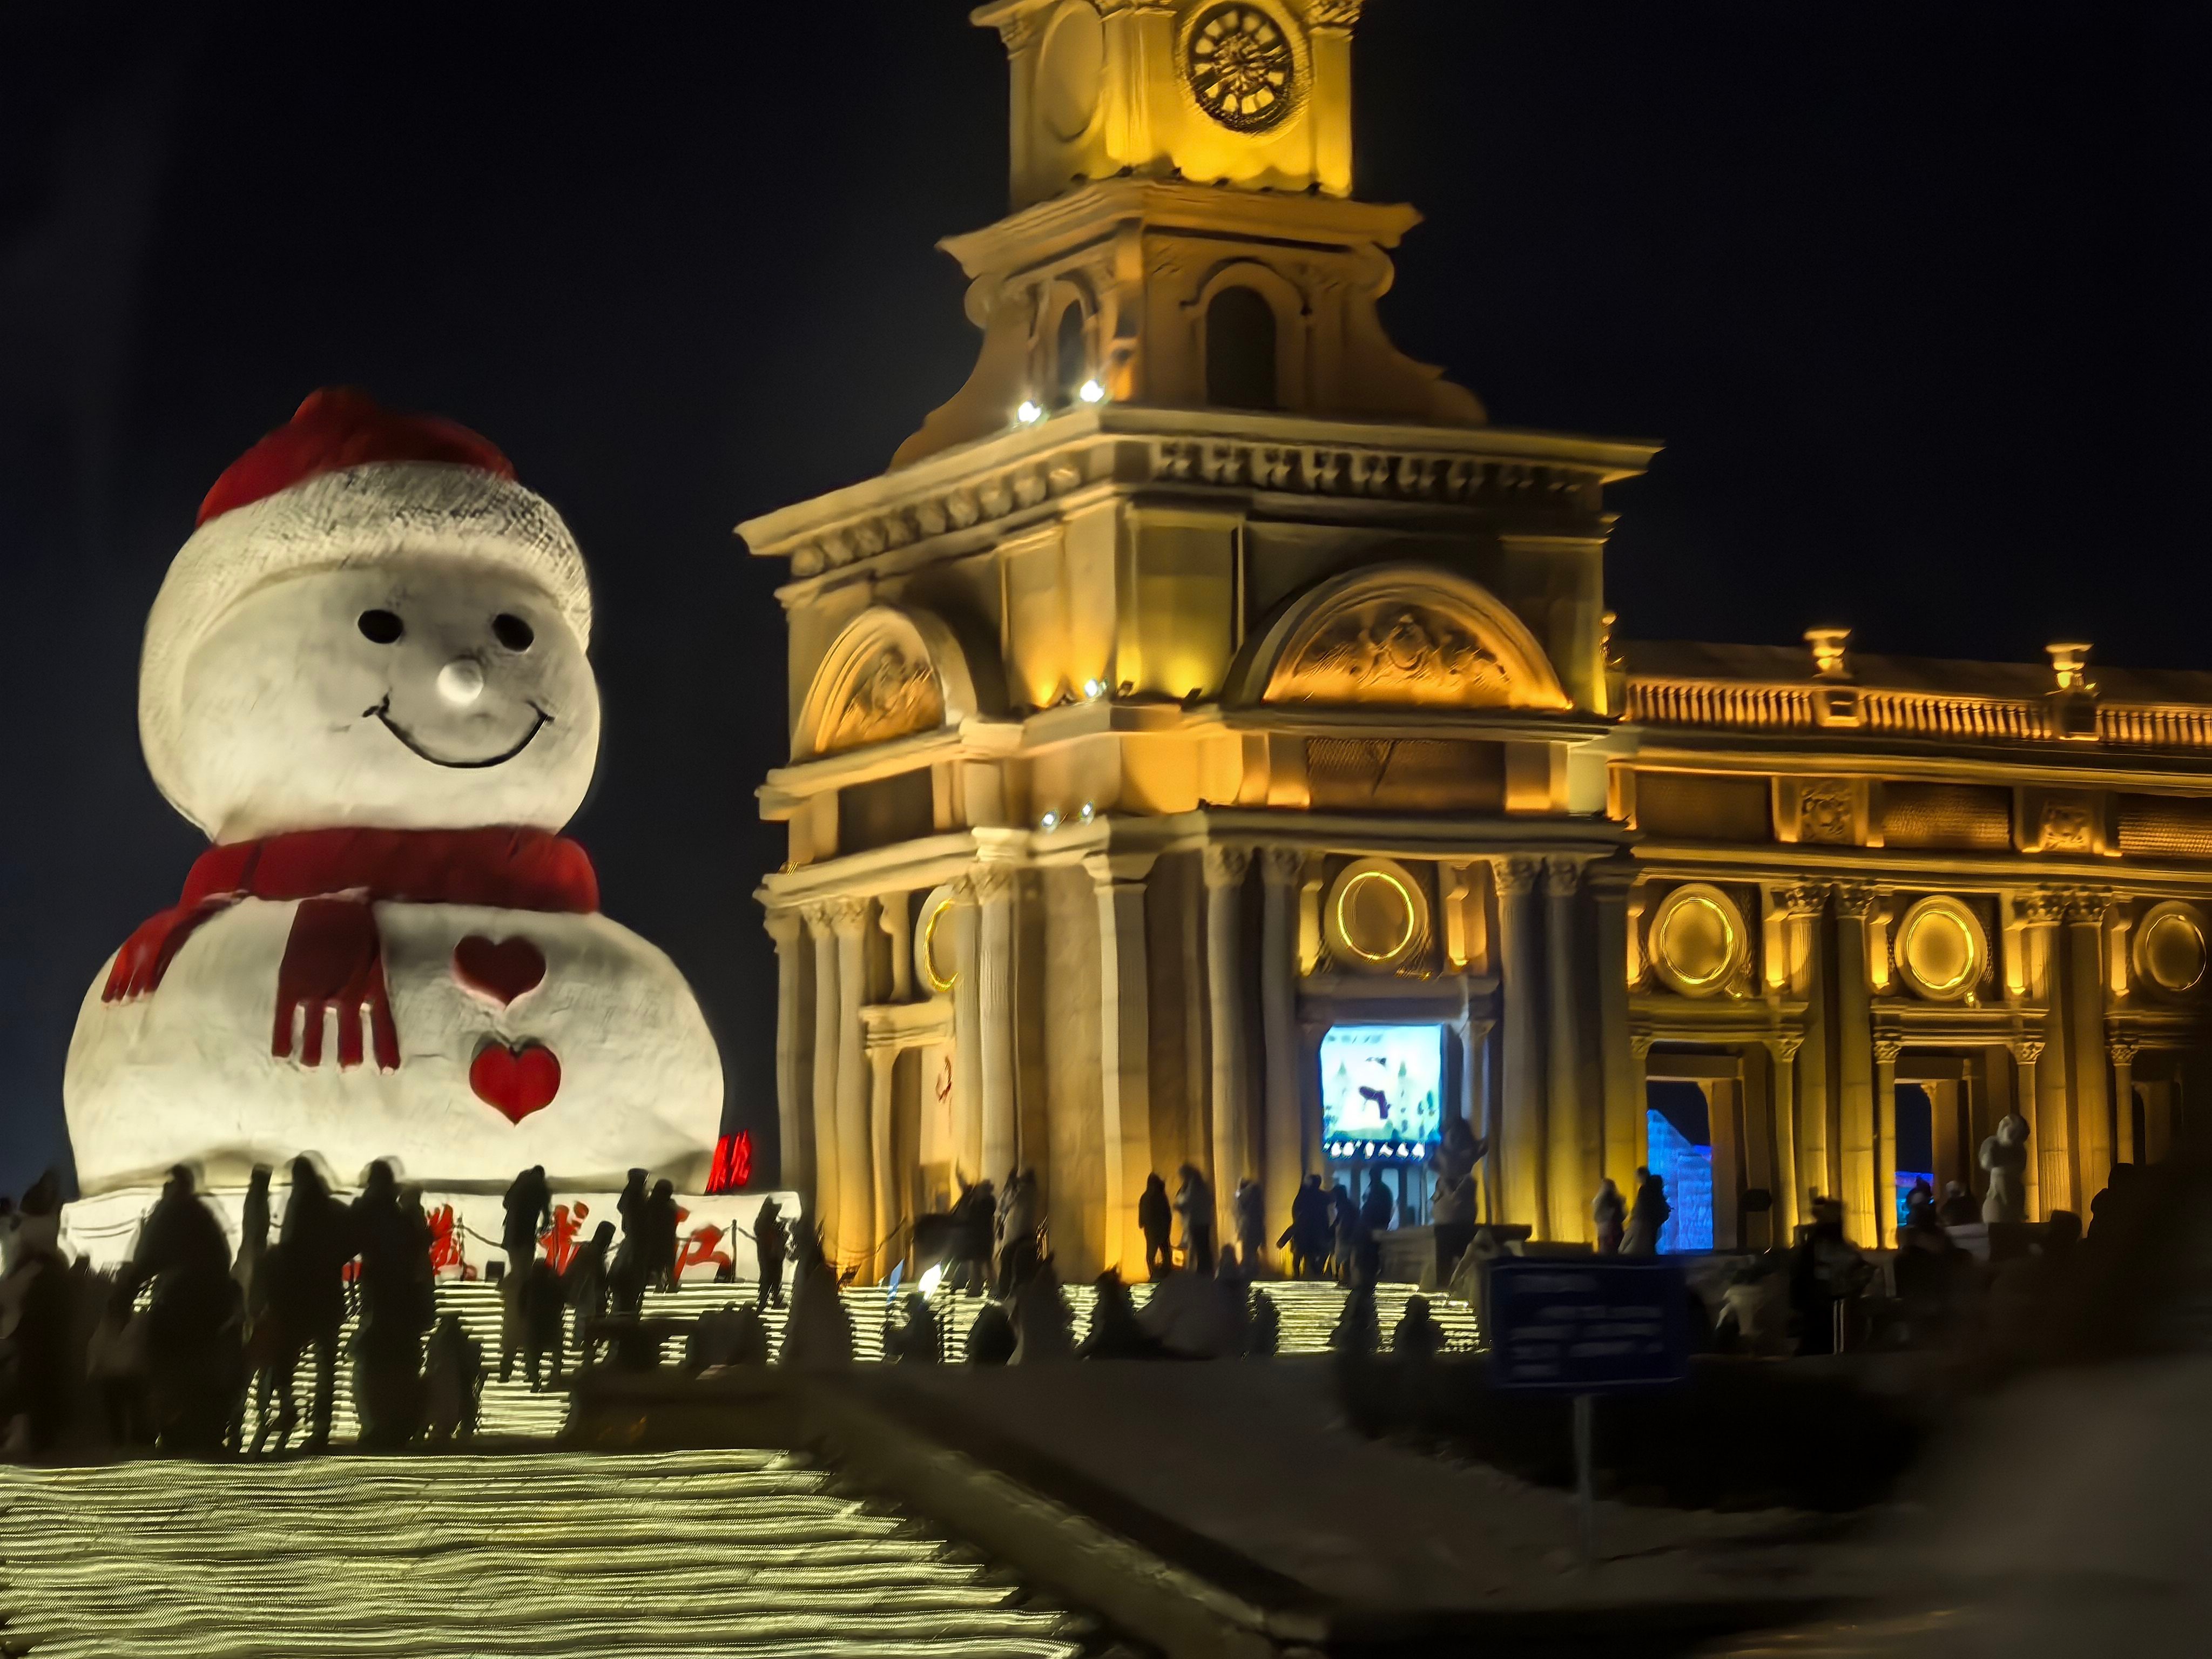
[[344, 483]]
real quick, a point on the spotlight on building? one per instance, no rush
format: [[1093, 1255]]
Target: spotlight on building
[[1089, 811], [931, 1279], [1094, 689], [1029, 411], [1092, 392], [1049, 821]]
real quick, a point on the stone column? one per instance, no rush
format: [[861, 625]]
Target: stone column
[[1799, 911], [1789, 1201], [1124, 1050], [1224, 988], [1621, 1087], [795, 1139], [2025, 1051], [893, 915], [967, 1034], [1569, 1112], [994, 890], [1855, 1063], [1283, 1151], [2124, 1050], [856, 1204], [884, 1186], [2084, 988], [821, 1202], [1639, 1057], [1518, 1152], [1885, 1051]]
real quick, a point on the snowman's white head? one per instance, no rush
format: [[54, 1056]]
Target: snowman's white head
[[397, 640]]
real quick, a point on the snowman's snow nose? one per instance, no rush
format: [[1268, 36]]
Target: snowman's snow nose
[[460, 682]]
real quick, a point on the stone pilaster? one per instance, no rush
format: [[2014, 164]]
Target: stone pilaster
[[1621, 1080], [1571, 1107], [2124, 1050], [1124, 1050], [1854, 1063], [2027, 1051], [1885, 1052], [966, 1033], [821, 1202], [856, 1204], [1519, 1152], [1225, 868], [883, 1172], [994, 892], [794, 1137], [1798, 909], [1788, 1192], [1283, 1162], [2085, 998]]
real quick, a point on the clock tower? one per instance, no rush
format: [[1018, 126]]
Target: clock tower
[[1205, 680]]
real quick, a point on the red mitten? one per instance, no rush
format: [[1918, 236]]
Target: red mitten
[[146, 954], [334, 959]]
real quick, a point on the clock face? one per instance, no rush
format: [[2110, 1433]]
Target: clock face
[[1241, 67]]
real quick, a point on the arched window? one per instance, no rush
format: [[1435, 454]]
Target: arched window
[[1071, 363], [1240, 350]]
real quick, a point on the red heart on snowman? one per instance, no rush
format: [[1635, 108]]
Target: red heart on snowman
[[501, 970], [515, 1082]]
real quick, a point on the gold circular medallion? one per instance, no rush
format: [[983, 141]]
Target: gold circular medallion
[[2170, 949], [934, 948], [1376, 916], [1241, 67], [1941, 949], [1698, 940]]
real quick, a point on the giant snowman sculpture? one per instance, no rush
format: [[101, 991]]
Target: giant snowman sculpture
[[365, 679]]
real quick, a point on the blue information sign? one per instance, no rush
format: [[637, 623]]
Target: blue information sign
[[1585, 1326]]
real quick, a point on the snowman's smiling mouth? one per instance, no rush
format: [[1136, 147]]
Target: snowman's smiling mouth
[[383, 712]]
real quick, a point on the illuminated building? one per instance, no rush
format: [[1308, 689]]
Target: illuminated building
[[1207, 677]]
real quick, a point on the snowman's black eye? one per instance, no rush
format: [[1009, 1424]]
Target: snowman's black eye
[[381, 627], [511, 631]]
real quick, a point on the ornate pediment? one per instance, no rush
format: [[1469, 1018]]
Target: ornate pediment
[[889, 673], [1404, 635]]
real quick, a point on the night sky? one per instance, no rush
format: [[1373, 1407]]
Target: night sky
[[1915, 295]]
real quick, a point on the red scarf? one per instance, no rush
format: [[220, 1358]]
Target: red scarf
[[503, 869]]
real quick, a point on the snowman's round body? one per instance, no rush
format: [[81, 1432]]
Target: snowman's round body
[[524, 1037], [366, 679]]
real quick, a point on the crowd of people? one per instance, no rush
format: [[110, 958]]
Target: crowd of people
[[167, 1350]]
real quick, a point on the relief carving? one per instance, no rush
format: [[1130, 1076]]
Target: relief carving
[[1825, 813], [1402, 653], [2067, 827], [892, 695]]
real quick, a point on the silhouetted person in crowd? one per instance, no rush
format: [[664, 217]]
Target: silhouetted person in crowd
[[1263, 1337], [307, 1292], [1115, 1333], [1043, 1325], [1249, 1207], [1378, 1211], [453, 1381], [1156, 1220], [1343, 1232], [1646, 1216], [1193, 1202], [1609, 1215], [660, 1224], [818, 1335], [1824, 1271], [974, 1219], [36, 1315], [1358, 1330], [253, 1223], [1418, 1337], [770, 1244], [630, 1205], [991, 1338], [716, 1338], [530, 1321], [529, 1213], [115, 1364], [1957, 1208], [585, 1285], [918, 1341], [195, 1336], [1307, 1236], [398, 1309], [1018, 1223]]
